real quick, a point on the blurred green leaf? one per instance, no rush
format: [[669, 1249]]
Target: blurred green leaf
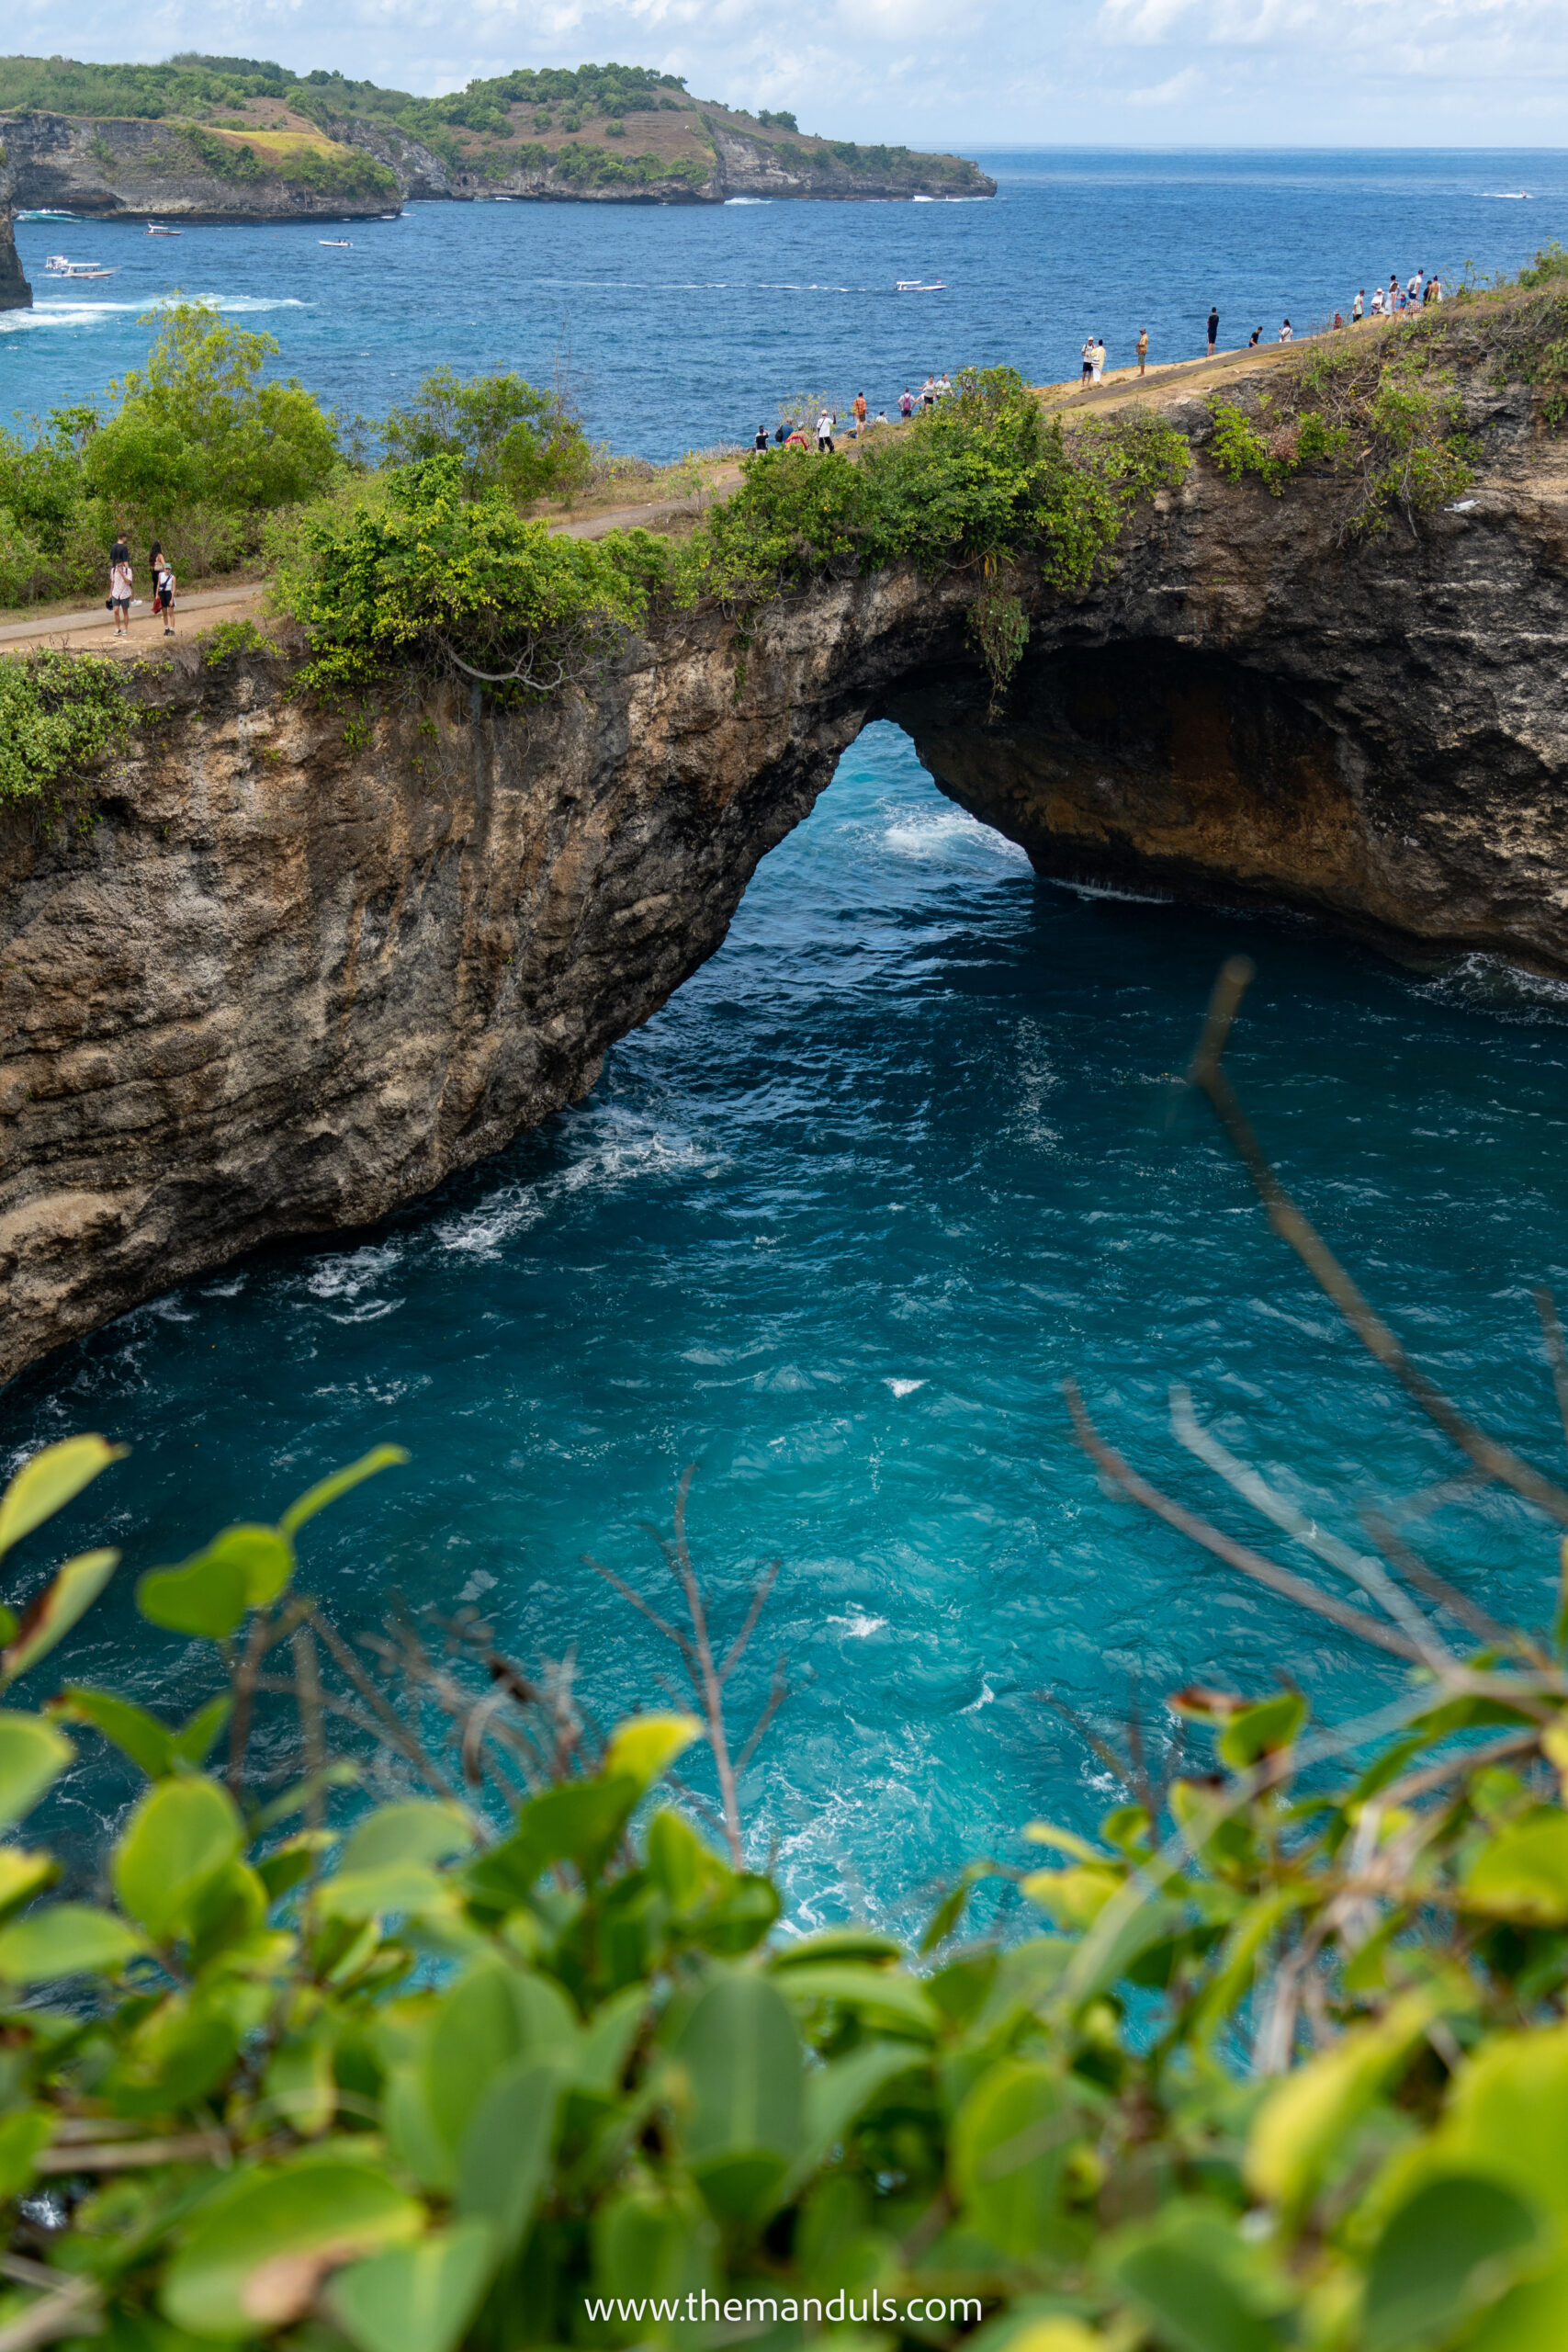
[[411, 1888], [340, 1481], [1188, 2274], [504, 2158], [68, 1595], [48, 1482], [490, 2017], [653, 2240], [66, 1940], [25, 2133], [182, 1835], [1263, 1730], [33, 1755], [1523, 1873], [147, 1742], [416, 2298], [645, 1746], [1302, 2123], [1007, 2154], [23, 1874], [744, 2068], [419, 1830], [1424, 2271], [255, 2255]]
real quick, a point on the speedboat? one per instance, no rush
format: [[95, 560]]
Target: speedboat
[[156, 229], [57, 266], [920, 285], [342, 243]]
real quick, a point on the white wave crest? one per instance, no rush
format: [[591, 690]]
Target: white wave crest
[[857, 1624], [622, 1156], [356, 1272], [903, 1387]]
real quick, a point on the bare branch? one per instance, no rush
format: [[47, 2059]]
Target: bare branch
[[1361, 1622], [1410, 1564], [1556, 1353], [778, 1692], [628, 1593], [1369, 1574], [308, 1682], [765, 1585], [1207, 1072]]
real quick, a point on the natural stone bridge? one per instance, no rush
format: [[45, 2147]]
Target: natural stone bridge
[[285, 984]]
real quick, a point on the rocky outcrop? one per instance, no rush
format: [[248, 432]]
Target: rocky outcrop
[[175, 171], [282, 983], [15, 294]]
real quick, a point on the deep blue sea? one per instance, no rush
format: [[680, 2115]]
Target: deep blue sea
[[907, 1151], [679, 328]]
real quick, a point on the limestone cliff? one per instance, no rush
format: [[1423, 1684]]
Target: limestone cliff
[[283, 984], [15, 294]]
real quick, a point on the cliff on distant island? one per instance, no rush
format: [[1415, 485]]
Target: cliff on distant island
[[225, 139], [15, 294], [285, 976]]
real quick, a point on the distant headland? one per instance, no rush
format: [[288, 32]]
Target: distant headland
[[238, 138]]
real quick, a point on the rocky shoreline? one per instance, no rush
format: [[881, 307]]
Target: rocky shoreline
[[275, 984]]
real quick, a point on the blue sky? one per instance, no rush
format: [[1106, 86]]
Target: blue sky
[[1097, 72]]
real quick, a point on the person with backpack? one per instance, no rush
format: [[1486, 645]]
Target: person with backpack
[[906, 403], [162, 572], [118, 598]]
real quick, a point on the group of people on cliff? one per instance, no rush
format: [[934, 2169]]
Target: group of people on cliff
[[790, 433], [122, 583]]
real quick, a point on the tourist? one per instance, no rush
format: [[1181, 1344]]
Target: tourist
[[786, 426], [1377, 301], [1413, 291], [1254, 338], [1434, 289], [1395, 298], [761, 443], [1143, 348], [825, 425], [944, 383], [1337, 319], [1357, 307], [881, 417], [860, 412], [120, 585], [928, 392], [163, 584], [1088, 361], [1285, 332], [1213, 330], [797, 438], [906, 403]]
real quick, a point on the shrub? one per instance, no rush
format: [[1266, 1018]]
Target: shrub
[[60, 714], [464, 585], [226, 639], [505, 433]]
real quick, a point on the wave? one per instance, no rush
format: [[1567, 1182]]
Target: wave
[[931, 837], [58, 311], [608, 1163]]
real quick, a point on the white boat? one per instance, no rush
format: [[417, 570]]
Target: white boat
[[57, 266], [920, 286], [341, 243], [156, 229], [1508, 195]]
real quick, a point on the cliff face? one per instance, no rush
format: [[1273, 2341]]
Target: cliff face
[[363, 167], [175, 172], [15, 294], [283, 985]]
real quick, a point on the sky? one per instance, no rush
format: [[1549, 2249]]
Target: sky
[[991, 74]]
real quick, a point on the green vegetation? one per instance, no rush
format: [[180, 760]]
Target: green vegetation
[[1383, 414], [226, 639], [60, 714], [1275, 2062], [435, 564], [506, 434], [461, 585], [199, 451]]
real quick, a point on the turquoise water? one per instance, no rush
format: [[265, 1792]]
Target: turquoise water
[[681, 327], [836, 1223], [833, 1227]]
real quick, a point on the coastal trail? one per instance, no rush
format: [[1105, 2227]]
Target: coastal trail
[[91, 629]]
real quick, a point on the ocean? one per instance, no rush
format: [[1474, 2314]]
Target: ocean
[[679, 328], [910, 1149]]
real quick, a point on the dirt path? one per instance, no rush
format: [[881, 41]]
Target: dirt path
[[91, 630]]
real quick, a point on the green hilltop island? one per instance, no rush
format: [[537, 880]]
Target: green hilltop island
[[236, 139]]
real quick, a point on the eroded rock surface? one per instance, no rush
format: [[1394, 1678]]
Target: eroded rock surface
[[283, 984]]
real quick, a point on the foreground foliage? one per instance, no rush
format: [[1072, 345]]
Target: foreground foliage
[[1286, 2065], [60, 714]]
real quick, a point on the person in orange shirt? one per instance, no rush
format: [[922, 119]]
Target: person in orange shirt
[[859, 413]]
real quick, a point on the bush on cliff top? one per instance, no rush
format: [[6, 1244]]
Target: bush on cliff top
[[60, 715]]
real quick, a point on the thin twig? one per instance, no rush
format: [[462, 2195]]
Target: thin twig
[[1359, 1622], [130, 2155], [307, 1683], [244, 1700], [628, 1593], [778, 1692], [1207, 1071], [72, 2308], [397, 1736], [1435, 1588], [1371, 1574], [1556, 1353], [765, 1585]]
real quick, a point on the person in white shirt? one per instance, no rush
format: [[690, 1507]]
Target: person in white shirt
[[119, 592], [1098, 360], [1285, 332], [1377, 301], [825, 425], [1358, 307]]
